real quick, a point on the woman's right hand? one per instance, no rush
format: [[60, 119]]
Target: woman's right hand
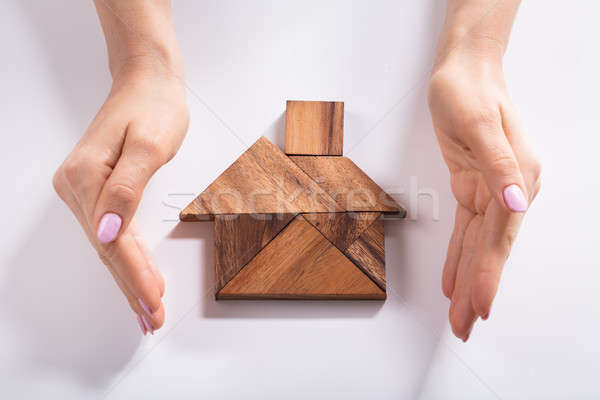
[[138, 129]]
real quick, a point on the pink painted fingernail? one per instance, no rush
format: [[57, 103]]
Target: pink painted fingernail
[[108, 228], [515, 199], [147, 325], [144, 306], [142, 327]]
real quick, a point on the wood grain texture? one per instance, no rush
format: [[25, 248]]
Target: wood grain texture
[[239, 237], [300, 263], [342, 229], [351, 188], [263, 180], [368, 253], [314, 127]]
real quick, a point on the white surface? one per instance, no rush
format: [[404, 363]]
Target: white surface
[[66, 330]]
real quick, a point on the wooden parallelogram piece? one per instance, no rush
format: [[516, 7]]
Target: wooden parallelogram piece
[[314, 127], [263, 180], [347, 184], [239, 237], [300, 263], [342, 229], [368, 252]]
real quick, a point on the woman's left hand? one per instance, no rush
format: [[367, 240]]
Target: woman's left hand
[[494, 177]]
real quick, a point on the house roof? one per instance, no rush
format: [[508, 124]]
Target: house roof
[[264, 180]]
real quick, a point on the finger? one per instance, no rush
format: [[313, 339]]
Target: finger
[[497, 234], [531, 167], [120, 195], [462, 314], [71, 201], [131, 266], [498, 165], [461, 221], [147, 253]]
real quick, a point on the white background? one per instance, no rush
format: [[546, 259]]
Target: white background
[[65, 329]]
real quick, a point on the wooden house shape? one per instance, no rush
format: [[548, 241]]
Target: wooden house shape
[[304, 224]]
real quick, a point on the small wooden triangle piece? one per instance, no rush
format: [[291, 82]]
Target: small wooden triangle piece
[[349, 186], [300, 263], [239, 237], [263, 180], [368, 253], [342, 229]]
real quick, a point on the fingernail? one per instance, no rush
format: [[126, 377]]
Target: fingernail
[[141, 324], [108, 228], [485, 316], [147, 325], [468, 334], [515, 199], [144, 306]]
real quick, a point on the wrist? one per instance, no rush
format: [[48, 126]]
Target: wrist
[[468, 47], [145, 58], [476, 31], [140, 34]]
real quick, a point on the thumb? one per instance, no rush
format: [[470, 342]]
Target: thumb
[[123, 189], [499, 166]]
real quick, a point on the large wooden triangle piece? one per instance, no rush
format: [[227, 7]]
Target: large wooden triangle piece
[[239, 237], [347, 184], [300, 263], [263, 180]]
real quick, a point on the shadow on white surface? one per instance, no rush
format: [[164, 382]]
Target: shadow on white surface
[[70, 317]]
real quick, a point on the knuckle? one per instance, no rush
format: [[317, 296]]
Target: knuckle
[[151, 148], [76, 169], [125, 194], [72, 170], [58, 184], [500, 161], [533, 173]]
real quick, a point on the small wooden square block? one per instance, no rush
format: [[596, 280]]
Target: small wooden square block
[[314, 128]]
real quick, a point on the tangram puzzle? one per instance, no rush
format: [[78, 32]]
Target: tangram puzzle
[[304, 224]]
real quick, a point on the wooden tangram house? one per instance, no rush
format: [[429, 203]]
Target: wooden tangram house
[[304, 224]]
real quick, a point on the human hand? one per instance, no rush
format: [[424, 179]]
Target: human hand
[[494, 177], [138, 129]]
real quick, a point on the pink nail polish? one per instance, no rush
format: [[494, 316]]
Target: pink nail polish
[[108, 228], [147, 325], [141, 324], [515, 199], [144, 306]]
